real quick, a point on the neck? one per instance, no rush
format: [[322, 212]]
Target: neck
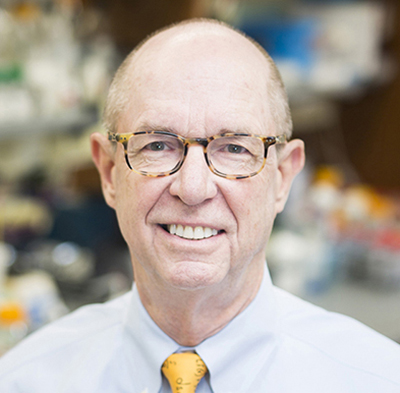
[[191, 316]]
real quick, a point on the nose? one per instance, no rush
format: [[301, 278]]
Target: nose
[[194, 183]]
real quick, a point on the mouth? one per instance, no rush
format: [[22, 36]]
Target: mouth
[[190, 233]]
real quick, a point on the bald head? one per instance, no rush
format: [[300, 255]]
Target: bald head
[[196, 50]]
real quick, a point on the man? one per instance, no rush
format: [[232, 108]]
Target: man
[[197, 163]]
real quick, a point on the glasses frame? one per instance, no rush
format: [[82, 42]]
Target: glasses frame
[[123, 138]]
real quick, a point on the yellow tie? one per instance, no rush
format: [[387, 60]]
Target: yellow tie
[[184, 371]]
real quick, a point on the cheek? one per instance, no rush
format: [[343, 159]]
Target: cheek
[[258, 211], [129, 206], [125, 203], [136, 197]]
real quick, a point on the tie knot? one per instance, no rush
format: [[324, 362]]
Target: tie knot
[[184, 371]]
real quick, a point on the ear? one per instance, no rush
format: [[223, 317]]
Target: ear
[[103, 154], [290, 162]]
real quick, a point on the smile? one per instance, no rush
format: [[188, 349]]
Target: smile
[[191, 233]]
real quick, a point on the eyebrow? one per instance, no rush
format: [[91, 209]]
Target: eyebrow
[[153, 127], [243, 130]]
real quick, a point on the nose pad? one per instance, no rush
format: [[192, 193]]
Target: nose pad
[[194, 182]]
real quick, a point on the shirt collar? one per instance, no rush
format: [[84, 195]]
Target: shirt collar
[[223, 353], [244, 344], [151, 346]]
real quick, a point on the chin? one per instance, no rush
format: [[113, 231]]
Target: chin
[[194, 275]]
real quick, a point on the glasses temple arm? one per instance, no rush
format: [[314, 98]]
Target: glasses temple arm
[[280, 139], [112, 137]]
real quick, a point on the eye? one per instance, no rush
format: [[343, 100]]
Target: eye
[[235, 149], [156, 146]]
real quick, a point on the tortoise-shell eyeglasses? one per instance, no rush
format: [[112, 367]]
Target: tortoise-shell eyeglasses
[[228, 155]]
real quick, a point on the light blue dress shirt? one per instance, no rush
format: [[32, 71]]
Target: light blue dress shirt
[[279, 343]]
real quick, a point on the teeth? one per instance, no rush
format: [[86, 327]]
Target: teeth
[[198, 233], [207, 232], [179, 230], [189, 232]]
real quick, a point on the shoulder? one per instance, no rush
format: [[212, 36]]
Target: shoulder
[[338, 339], [70, 337]]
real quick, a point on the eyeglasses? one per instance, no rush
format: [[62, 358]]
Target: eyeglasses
[[229, 155]]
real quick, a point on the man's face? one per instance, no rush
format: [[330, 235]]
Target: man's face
[[198, 88]]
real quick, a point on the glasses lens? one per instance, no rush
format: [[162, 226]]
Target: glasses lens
[[236, 155], [154, 153]]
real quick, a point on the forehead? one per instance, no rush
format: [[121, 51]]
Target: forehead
[[196, 82]]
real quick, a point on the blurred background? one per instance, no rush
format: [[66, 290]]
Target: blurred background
[[338, 242]]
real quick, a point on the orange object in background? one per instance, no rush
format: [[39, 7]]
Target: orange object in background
[[11, 312], [13, 324]]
